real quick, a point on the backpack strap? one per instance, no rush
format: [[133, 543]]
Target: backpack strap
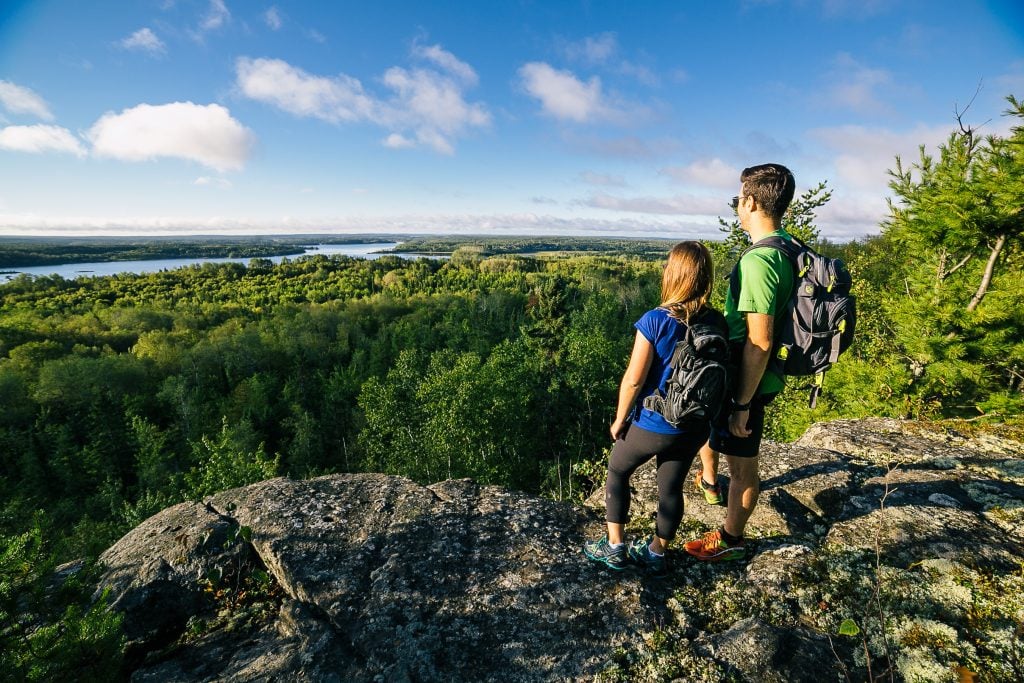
[[792, 248]]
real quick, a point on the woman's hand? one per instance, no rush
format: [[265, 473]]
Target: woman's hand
[[619, 429]]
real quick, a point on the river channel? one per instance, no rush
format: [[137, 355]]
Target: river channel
[[70, 271]]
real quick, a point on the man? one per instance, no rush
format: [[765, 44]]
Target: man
[[765, 285]]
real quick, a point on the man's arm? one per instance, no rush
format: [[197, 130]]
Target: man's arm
[[752, 366]]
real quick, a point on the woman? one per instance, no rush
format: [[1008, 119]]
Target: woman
[[641, 434]]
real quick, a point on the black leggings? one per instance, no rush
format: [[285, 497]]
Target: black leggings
[[675, 454]]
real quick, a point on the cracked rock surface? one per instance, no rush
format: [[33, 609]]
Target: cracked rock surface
[[383, 579]]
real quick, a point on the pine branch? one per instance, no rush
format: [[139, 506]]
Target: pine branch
[[986, 279], [963, 262]]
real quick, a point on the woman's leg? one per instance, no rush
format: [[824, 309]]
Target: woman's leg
[[627, 455], [673, 464]]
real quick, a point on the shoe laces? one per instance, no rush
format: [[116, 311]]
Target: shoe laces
[[712, 539]]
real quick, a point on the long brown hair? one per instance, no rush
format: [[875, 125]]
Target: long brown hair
[[687, 280]]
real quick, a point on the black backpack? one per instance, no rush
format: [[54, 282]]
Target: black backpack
[[696, 387], [820, 317]]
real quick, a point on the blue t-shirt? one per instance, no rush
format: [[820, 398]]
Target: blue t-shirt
[[663, 331]]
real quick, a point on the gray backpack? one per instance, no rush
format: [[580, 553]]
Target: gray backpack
[[697, 385], [820, 317]]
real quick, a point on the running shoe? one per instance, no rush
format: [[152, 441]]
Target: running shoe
[[711, 547], [601, 551], [712, 492], [639, 552]]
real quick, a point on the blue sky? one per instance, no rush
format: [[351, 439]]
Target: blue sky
[[605, 118]]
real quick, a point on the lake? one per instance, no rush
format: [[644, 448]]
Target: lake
[[70, 271]]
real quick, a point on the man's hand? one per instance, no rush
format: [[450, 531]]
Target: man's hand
[[738, 423]]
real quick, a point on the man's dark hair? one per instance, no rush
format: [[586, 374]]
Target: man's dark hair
[[771, 186]]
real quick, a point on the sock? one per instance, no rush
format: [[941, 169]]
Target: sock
[[707, 484], [654, 554], [729, 538], [616, 546]]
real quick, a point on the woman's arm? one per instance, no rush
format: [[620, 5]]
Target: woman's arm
[[632, 381]]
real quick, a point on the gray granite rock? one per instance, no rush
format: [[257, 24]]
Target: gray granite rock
[[761, 652], [381, 579]]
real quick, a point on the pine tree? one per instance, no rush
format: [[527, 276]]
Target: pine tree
[[957, 220]]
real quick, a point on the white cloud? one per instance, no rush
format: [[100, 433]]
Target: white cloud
[[396, 141], [18, 99], [431, 105], [447, 61], [205, 134], [562, 95], [212, 181], [40, 138], [593, 50], [425, 106], [705, 172], [216, 16], [852, 216], [854, 86], [602, 50], [1013, 80], [861, 156], [145, 40], [277, 82], [272, 17], [677, 205], [602, 179], [316, 36], [471, 224], [639, 73]]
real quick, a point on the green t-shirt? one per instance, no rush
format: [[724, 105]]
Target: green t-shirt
[[766, 283]]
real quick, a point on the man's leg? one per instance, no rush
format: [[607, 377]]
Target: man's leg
[[741, 454], [707, 476], [744, 489], [709, 463]]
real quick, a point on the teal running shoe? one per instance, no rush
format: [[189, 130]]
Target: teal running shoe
[[601, 551], [639, 552]]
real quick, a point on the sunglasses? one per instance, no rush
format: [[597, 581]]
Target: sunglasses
[[734, 203]]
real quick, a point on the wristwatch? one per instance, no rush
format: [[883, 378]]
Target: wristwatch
[[739, 407]]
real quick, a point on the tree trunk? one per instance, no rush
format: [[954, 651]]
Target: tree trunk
[[986, 279]]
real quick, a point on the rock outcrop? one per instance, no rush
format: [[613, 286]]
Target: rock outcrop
[[363, 577]]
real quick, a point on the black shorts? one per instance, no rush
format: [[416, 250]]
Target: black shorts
[[723, 441]]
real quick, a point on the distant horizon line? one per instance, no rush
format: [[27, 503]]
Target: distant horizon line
[[383, 236]]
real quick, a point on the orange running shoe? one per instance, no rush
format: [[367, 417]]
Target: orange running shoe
[[711, 547]]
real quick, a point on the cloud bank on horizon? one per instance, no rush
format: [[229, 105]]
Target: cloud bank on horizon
[[198, 115]]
